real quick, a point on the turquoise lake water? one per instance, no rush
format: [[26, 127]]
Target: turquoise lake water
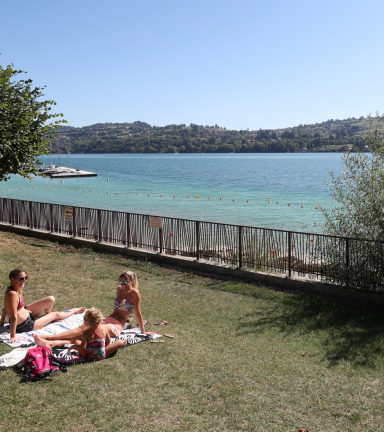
[[295, 179]]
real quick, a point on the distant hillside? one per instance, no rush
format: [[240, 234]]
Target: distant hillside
[[141, 137]]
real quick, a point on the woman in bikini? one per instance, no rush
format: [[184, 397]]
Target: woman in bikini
[[24, 318], [127, 300]]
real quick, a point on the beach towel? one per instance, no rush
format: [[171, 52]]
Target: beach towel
[[16, 357], [26, 338]]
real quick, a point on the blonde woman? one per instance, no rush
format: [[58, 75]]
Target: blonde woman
[[127, 301], [96, 342], [25, 318]]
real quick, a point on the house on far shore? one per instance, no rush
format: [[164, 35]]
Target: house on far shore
[[303, 150]]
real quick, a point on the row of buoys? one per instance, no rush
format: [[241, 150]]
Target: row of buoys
[[174, 197]]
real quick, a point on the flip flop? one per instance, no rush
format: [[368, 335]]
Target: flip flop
[[162, 322]]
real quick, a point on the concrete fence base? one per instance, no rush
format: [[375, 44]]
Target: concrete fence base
[[275, 281]]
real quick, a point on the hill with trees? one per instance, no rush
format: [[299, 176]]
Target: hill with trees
[[140, 137]]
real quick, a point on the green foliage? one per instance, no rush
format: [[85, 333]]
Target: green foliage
[[358, 190], [358, 214], [25, 121], [141, 137]]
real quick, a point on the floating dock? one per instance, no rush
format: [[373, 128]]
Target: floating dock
[[73, 173], [55, 171]]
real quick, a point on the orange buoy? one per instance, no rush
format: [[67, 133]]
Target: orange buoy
[[233, 200], [187, 196], [174, 196], [289, 205], [269, 201], [247, 201], [107, 192], [302, 206], [197, 197], [117, 193], [316, 208], [8, 189], [277, 202], [208, 197], [220, 199], [161, 195]]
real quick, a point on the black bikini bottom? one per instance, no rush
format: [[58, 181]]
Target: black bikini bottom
[[26, 325]]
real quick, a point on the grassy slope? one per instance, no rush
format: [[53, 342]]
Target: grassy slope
[[235, 363]]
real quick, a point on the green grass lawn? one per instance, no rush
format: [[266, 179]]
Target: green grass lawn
[[244, 358]]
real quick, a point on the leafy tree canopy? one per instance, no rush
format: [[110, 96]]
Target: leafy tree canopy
[[25, 124], [358, 191]]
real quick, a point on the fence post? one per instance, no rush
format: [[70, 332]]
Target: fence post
[[99, 225], [30, 215], [161, 239], [240, 247], [51, 218], [128, 229], [74, 222], [12, 214], [289, 253], [347, 260], [197, 240]]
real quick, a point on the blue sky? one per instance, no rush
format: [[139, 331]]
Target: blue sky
[[238, 64]]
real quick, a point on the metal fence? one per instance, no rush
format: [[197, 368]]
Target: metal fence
[[347, 262]]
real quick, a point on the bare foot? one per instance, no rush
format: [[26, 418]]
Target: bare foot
[[41, 342]]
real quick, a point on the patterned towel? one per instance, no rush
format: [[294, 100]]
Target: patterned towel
[[16, 357], [26, 338]]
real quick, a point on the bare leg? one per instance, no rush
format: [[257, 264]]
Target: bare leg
[[111, 348], [53, 316], [77, 348], [45, 304], [74, 334], [51, 344]]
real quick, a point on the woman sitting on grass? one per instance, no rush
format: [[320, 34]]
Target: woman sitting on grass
[[127, 300], [26, 318], [96, 341]]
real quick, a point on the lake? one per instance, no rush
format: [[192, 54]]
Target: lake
[[232, 188]]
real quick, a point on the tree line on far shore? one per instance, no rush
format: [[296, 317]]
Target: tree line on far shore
[[141, 137]]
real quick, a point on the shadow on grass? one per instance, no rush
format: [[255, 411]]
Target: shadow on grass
[[342, 332]]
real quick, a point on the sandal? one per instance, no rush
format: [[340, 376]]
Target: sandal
[[162, 322]]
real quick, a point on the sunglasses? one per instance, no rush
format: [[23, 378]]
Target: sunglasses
[[123, 282], [22, 279]]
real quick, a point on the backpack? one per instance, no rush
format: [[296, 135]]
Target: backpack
[[38, 364]]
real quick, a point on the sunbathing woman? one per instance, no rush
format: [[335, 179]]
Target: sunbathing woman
[[26, 318], [127, 300], [96, 341]]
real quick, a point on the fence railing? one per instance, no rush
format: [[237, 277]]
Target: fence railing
[[348, 262]]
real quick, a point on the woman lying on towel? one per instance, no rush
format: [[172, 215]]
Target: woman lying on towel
[[127, 300], [24, 318]]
